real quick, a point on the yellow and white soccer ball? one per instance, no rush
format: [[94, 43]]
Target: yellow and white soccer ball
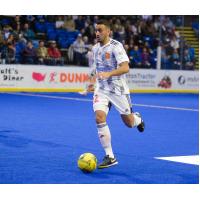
[[87, 162]]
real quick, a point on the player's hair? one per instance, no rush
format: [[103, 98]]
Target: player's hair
[[104, 22]]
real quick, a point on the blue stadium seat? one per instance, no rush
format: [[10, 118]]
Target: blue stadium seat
[[19, 49], [5, 22], [40, 27], [51, 35], [49, 26]]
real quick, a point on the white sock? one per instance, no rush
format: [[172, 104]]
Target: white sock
[[137, 120], [105, 138]]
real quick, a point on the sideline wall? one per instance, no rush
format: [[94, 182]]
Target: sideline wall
[[42, 78]]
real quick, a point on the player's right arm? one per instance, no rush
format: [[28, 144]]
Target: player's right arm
[[122, 62], [92, 72]]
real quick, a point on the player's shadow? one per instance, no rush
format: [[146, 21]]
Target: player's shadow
[[7, 138]]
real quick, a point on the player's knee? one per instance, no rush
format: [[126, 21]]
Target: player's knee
[[100, 118]]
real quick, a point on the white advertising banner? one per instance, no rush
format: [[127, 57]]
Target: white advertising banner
[[163, 80], [39, 77], [73, 78]]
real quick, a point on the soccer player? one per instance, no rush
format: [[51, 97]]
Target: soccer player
[[111, 64]]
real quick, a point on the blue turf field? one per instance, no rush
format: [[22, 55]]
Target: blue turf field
[[41, 139]]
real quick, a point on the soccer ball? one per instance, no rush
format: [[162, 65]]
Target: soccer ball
[[87, 162]]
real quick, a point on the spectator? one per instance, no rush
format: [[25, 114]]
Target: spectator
[[10, 39], [188, 63], [80, 23], [29, 54], [145, 58], [175, 60], [28, 33], [10, 53], [54, 54], [79, 50], [30, 19], [6, 32], [90, 32], [69, 24], [1, 37], [42, 53], [59, 22], [135, 57], [17, 24], [191, 51], [164, 58]]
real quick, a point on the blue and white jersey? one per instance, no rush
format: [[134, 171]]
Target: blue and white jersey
[[107, 58]]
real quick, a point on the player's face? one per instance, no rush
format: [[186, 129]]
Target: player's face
[[102, 33]]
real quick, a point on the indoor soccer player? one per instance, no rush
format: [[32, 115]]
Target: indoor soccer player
[[111, 64]]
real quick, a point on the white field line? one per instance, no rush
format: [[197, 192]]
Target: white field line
[[191, 159], [90, 100]]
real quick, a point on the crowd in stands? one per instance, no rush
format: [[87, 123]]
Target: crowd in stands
[[61, 40]]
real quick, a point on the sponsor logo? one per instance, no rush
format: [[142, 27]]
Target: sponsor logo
[[165, 82], [107, 56], [73, 77], [62, 77], [38, 76], [142, 79], [181, 80], [52, 77], [10, 74]]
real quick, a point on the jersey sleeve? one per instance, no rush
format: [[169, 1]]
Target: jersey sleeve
[[120, 54]]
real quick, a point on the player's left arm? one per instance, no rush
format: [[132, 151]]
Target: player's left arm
[[122, 69]]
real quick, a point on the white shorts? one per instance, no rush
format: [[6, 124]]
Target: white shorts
[[122, 103]]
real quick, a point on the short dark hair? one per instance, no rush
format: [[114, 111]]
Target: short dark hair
[[104, 22]]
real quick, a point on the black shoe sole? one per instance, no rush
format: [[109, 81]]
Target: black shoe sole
[[106, 166]]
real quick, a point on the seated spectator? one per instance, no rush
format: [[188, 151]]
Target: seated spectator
[[191, 51], [10, 53], [42, 53], [54, 55], [175, 60], [164, 58], [135, 57], [59, 22], [80, 23], [145, 58], [27, 32], [6, 32], [10, 39], [1, 38], [188, 62], [79, 50], [29, 54], [90, 32], [30, 19], [17, 24], [69, 24]]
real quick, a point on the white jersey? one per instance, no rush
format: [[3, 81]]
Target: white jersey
[[107, 58]]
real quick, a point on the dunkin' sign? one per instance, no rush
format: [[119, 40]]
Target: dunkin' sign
[[60, 77]]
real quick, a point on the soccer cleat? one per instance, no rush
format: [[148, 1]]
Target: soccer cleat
[[107, 162], [141, 126]]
